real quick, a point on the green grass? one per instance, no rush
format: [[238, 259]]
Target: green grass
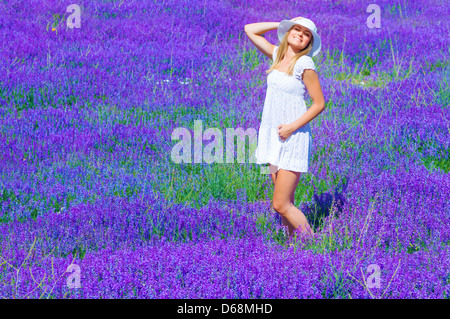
[[442, 96], [244, 60], [362, 72], [442, 161], [21, 200], [36, 98], [105, 114], [251, 59], [437, 66], [196, 183], [395, 9]]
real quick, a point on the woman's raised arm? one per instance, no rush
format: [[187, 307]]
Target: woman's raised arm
[[255, 30]]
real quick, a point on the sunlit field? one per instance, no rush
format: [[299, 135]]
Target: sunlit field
[[92, 204]]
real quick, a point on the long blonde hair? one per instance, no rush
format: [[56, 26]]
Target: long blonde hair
[[282, 48]]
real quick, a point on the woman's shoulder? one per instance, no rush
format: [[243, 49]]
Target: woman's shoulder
[[305, 62]]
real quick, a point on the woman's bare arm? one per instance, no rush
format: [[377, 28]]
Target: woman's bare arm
[[312, 84], [255, 30]]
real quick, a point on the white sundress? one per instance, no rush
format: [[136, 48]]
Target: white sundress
[[284, 104]]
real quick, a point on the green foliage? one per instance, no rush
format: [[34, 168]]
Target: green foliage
[[370, 62], [37, 99], [108, 15], [57, 204], [341, 76], [442, 96], [17, 199], [251, 59], [195, 184], [438, 65], [79, 251], [365, 72], [270, 231], [57, 19], [442, 161]]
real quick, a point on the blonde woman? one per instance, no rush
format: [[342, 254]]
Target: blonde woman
[[284, 139]]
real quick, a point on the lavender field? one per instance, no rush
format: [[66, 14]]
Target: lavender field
[[93, 206]]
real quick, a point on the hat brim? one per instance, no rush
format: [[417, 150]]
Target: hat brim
[[285, 25]]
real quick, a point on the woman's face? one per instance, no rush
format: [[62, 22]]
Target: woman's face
[[299, 37]]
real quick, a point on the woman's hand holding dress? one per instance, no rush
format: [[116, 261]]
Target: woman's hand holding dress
[[284, 131]]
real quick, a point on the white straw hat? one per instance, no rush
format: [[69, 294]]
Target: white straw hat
[[284, 26]]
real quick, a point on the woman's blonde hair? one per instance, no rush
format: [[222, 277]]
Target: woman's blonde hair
[[282, 48]]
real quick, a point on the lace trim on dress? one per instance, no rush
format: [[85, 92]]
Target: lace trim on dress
[[305, 62]]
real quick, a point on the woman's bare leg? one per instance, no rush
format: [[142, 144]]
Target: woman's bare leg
[[284, 221], [285, 185]]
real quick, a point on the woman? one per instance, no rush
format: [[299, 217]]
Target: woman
[[284, 139]]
